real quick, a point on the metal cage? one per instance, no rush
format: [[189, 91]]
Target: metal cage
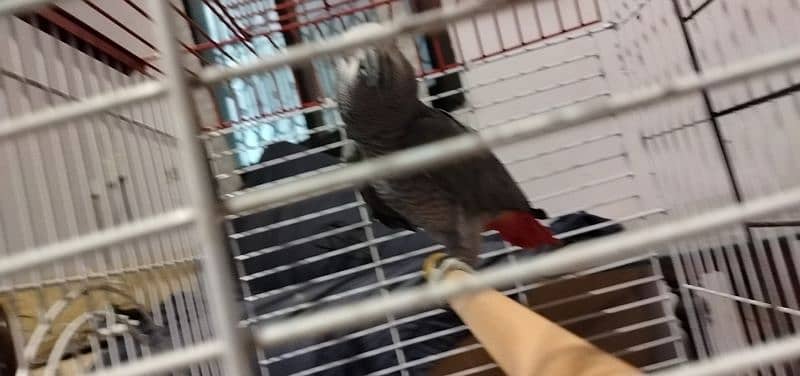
[[174, 198]]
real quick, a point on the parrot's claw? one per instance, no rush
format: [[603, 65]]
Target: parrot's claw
[[438, 264]]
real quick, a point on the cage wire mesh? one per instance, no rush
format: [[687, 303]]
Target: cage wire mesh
[[92, 174], [143, 295]]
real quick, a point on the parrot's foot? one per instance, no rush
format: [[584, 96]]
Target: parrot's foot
[[438, 264]]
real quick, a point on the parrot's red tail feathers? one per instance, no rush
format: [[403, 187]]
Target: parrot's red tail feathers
[[521, 229]]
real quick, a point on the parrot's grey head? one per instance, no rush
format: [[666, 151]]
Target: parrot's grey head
[[378, 73], [377, 68]]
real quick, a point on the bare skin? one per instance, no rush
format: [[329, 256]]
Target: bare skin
[[523, 343]]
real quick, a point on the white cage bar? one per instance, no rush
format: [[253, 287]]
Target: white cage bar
[[209, 212]]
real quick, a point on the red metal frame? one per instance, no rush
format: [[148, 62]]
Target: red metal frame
[[69, 26], [295, 25], [290, 14], [582, 22], [332, 13], [291, 17]]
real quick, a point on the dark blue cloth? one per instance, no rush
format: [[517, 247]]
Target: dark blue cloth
[[347, 355], [293, 284], [580, 220]]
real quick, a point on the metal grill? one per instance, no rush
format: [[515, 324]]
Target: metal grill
[[175, 201]]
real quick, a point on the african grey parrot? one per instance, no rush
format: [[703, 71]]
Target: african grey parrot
[[454, 203]]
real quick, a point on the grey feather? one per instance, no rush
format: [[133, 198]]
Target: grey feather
[[379, 105], [480, 183]]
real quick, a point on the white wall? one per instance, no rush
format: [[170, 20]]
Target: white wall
[[88, 175], [65, 181], [138, 24], [667, 156], [589, 168], [646, 46], [131, 18], [685, 159]]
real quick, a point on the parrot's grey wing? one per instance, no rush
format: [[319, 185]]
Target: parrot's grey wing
[[378, 208], [458, 123], [536, 212], [384, 213], [478, 182]]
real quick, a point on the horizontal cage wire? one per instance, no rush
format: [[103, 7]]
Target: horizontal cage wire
[[651, 119]]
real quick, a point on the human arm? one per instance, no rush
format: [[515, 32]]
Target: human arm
[[524, 343]]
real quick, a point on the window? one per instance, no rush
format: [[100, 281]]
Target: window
[[322, 21], [248, 102], [244, 101]]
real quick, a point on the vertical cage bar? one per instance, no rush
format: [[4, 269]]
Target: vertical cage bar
[[218, 274], [712, 116]]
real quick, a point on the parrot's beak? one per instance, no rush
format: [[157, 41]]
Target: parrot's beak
[[363, 65]]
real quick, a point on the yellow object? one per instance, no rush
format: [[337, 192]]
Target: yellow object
[[432, 262], [148, 287]]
